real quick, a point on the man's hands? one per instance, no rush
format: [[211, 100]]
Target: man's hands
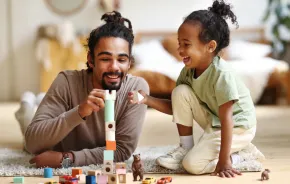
[[94, 102], [47, 159], [224, 169]]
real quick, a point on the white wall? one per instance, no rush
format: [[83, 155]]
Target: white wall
[[27, 15], [4, 50]]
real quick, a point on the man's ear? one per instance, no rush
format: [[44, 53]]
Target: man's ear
[[211, 46], [90, 60]]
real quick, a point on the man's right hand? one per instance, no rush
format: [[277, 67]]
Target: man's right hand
[[94, 102]]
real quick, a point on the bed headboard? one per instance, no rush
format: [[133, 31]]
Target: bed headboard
[[255, 34]]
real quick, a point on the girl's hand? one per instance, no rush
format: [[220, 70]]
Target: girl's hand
[[131, 97], [224, 169]]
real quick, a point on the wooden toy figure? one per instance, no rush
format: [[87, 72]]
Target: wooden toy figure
[[137, 168], [265, 175]]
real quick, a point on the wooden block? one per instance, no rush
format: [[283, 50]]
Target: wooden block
[[91, 179], [113, 179], [120, 171], [111, 145], [102, 179], [110, 136], [110, 96], [81, 178], [94, 172], [108, 155], [76, 171], [137, 97], [110, 126], [18, 179], [108, 162], [108, 169], [122, 178], [120, 165]]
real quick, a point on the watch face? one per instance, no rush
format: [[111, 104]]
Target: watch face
[[66, 163]]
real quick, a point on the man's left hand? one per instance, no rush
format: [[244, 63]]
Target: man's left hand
[[47, 159]]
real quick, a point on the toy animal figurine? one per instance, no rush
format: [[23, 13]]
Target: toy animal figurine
[[265, 175], [137, 168]]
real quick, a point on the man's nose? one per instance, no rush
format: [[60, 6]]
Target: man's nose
[[114, 65]]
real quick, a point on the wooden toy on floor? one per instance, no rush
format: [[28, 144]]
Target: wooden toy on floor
[[91, 179], [265, 175], [18, 179], [137, 168], [47, 173], [76, 171]]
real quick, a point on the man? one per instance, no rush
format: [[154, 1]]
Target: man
[[69, 122]]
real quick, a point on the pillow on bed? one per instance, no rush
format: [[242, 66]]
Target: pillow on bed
[[240, 49], [151, 52], [170, 43]]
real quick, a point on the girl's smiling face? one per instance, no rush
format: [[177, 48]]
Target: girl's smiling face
[[194, 52]]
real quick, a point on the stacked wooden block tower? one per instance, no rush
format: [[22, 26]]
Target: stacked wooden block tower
[[107, 174], [110, 127]]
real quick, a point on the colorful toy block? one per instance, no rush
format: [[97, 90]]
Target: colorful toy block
[[103, 179], [110, 135], [94, 172], [111, 145], [110, 96], [18, 179], [110, 126], [108, 169], [108, 155], [51, 182], [109, 110], [113, 179], [120, 171], [76, 171], [109, 162], [122, 178], [91, 180], [120, 165], [137, 97], [81, 178], [47, 173]]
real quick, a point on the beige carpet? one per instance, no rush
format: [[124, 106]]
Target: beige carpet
[[273, 139]]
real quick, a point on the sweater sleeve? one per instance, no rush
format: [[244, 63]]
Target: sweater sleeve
[[128, 130], [53, 120]]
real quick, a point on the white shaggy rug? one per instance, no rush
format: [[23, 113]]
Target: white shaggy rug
[[15, 163]]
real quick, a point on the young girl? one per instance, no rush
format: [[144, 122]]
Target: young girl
[[208, 92]]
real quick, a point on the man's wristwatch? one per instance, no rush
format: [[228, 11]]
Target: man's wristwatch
[[67, 161]]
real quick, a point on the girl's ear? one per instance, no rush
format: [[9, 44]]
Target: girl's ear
[[211, 46], [90, 60]]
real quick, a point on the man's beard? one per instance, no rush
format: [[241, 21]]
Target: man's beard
[[114, 85]]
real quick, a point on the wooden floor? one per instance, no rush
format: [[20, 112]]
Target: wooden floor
[[272, 138]]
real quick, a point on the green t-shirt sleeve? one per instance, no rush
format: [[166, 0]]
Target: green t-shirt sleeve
[[226, 88], [181, 77]]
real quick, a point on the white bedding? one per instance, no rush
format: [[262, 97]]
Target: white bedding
[[254, 72]]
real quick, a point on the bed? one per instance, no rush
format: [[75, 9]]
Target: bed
[[158, 62]]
